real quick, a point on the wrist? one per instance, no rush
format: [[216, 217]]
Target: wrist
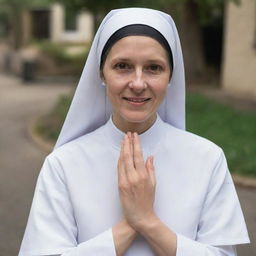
[[147, 224], [123, 229], [123, 235]]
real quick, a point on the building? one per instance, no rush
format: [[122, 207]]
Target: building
[[239, 63], [51, 23]]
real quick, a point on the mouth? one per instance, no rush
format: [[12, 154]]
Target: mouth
[[136, 100]]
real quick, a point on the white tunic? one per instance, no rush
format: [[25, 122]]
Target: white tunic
[[76, 200]]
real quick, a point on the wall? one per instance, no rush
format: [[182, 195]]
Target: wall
[[239, 64], [84, 32]]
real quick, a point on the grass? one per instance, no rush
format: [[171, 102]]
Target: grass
[[49, 126], [233, 130]]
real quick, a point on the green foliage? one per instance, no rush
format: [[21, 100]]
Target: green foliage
[[13, 10], [3, 24], [231, 129], [103, 6], [24, 3], [49, 126], [58, 52], [207, 8], [54, 50], [12, 5]]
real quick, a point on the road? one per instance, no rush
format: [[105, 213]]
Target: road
[[21, 160], [20, 157]]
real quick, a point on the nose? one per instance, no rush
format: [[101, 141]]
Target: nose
[[138, 82]]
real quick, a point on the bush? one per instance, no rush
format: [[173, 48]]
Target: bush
[[49, 126], [231, 129], [59, 54]]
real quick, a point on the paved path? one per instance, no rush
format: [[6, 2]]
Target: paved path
[[21, 160], [248, 202]]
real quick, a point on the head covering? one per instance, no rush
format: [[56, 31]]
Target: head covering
[[133, 30], [90, 107]]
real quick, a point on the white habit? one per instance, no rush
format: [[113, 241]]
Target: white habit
[[76, 199]]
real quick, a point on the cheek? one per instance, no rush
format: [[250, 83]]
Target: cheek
[[161, 81], [160, 94], [113, 92], [115, 85], [160, 87]]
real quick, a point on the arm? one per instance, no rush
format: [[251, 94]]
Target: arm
[[52, 227], [137, 189], [161, 239], [123, 235], [215, 236], [165, 242]]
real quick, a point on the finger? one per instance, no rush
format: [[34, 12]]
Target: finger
[[128, 160], [137, 153], [130, 135], [121, 156], [122, 177], [151, 169]]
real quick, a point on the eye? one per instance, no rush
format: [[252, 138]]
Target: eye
[[154, 68], [122, 66]]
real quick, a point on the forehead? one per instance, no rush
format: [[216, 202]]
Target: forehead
[[141, 45]]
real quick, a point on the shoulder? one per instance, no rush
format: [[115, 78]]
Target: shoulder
[[81, 144], [196, 156], [77, 150], [192, 144]]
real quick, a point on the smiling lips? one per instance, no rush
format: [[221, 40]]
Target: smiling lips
[[136, 100]]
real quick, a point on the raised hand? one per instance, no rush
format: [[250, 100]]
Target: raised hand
[[137, 182]]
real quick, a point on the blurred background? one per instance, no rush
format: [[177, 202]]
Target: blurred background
[[43, 48]]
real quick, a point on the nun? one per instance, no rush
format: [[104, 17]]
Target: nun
[[125, 177]]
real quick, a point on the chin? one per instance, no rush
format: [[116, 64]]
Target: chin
[[136, 117]]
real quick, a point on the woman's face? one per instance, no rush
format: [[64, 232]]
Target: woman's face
[[136, 72]]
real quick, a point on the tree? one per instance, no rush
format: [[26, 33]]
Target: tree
[[12, 9], [193, 14], [101, 7], [189, 16]]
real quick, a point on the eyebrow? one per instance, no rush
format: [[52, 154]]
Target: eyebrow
[[120, 59], [129, 60]]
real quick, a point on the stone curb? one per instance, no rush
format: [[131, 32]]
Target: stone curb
[[47, 146], [242, 181], [43, 144]]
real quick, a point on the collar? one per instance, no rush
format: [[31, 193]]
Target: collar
[[149, 140]]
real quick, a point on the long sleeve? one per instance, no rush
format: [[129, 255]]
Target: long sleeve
[[221, 225], [187, 247], [52, 228], [95, 246]]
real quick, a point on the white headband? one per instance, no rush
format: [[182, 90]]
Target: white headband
[[90, 107]]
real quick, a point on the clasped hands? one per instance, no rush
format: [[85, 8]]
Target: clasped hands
[[136, 183]]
